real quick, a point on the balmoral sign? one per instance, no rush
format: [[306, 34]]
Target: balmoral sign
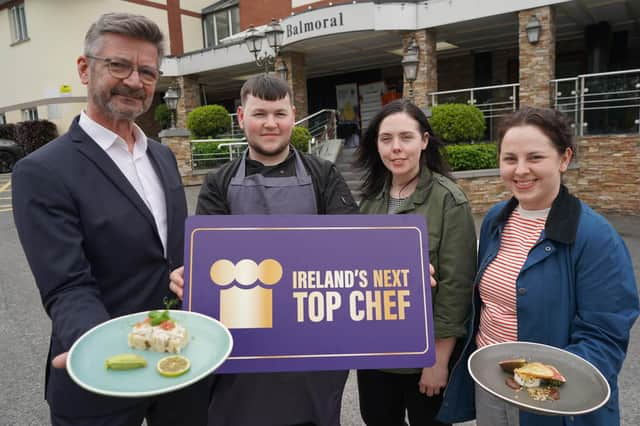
[[305, 26], [327, 21]]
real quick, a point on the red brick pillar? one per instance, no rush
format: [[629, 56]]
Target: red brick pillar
[[537, 61], [297, 79], [427, 77]]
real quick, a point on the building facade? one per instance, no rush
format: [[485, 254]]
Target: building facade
[[582, 56]]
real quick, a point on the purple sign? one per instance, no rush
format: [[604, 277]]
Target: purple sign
[[309, 292]]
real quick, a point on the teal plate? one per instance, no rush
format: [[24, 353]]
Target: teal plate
[[209, 346]]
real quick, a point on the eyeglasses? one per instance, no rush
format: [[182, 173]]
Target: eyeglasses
[[122, 69]]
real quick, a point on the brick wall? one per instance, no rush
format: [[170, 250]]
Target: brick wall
[[606, 176], [260, 12]]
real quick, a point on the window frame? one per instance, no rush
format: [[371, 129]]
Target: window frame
[[18, 23], [29, 114], [234, 27]]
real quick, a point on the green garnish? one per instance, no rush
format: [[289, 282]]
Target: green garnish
[[158, 317], [169, 303]]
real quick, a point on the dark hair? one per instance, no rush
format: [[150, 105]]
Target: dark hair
[[126, 24], [368, 157], [266, 87], [554, 124]]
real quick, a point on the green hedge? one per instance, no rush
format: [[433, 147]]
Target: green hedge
[[300, 137], [472, 156], [208, 121], [458, 122]]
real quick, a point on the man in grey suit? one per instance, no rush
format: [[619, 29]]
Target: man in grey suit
[[100, 214]]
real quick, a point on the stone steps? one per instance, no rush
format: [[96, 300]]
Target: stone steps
[[351, 175]]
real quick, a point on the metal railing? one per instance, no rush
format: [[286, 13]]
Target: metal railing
[[494, 101], [211, 153], [321, 125], [600, 103], [234, 129]]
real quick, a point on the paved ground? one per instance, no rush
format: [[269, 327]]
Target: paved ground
[[24, 331]]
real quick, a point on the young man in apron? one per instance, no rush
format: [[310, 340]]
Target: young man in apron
[[274, 178]]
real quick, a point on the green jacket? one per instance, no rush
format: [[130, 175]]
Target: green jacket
[[452, 245]]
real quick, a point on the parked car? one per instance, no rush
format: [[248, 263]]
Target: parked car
[[10, 152]]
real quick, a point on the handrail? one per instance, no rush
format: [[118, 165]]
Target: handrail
[[592, 92], [315, 114], [498, 86]]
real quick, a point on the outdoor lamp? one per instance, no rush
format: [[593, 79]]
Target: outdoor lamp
[[274, 34], [253, 39], [282, 70], [410, 65], [533, 30], [171, 99]]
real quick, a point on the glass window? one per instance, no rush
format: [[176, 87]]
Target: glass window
[[18, 23], [209, 31], [220, 24], [235, 20], [3, 119], [30, 114]]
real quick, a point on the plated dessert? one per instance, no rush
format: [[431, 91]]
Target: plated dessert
[[540, 380], [159, 332]]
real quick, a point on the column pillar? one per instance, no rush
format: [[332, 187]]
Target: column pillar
[[427, 76], [297, 79], [179, 142], [189, 98], [537, 61]]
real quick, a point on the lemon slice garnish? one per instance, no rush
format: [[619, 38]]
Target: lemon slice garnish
[[173, 366]]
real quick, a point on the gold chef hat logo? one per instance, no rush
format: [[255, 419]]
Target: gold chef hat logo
[[246, 305]]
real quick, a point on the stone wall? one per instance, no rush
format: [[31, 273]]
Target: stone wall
[[427, 76], [606, 176], [609, 176], [537, 61]]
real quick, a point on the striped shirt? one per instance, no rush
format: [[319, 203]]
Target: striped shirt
[[498, 315]]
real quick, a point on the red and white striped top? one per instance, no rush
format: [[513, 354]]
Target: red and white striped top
[[498, 315]]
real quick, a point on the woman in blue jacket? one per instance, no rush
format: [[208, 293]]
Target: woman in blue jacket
[[551, 271]]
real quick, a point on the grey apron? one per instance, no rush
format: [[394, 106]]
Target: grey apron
[[275, 399]]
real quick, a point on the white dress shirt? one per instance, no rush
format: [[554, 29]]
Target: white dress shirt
[[136, 167]]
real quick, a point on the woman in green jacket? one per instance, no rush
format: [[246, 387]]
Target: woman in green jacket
[[405, 172]]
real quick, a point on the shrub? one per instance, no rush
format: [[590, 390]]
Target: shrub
[[472, 156], [458, 122], [34, 134], [300, 137], [162, 115], [208, 121], [8, 131]]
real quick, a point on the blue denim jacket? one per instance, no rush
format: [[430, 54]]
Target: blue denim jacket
[[576, 291]]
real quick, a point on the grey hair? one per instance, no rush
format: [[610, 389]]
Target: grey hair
[[126, 24]]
